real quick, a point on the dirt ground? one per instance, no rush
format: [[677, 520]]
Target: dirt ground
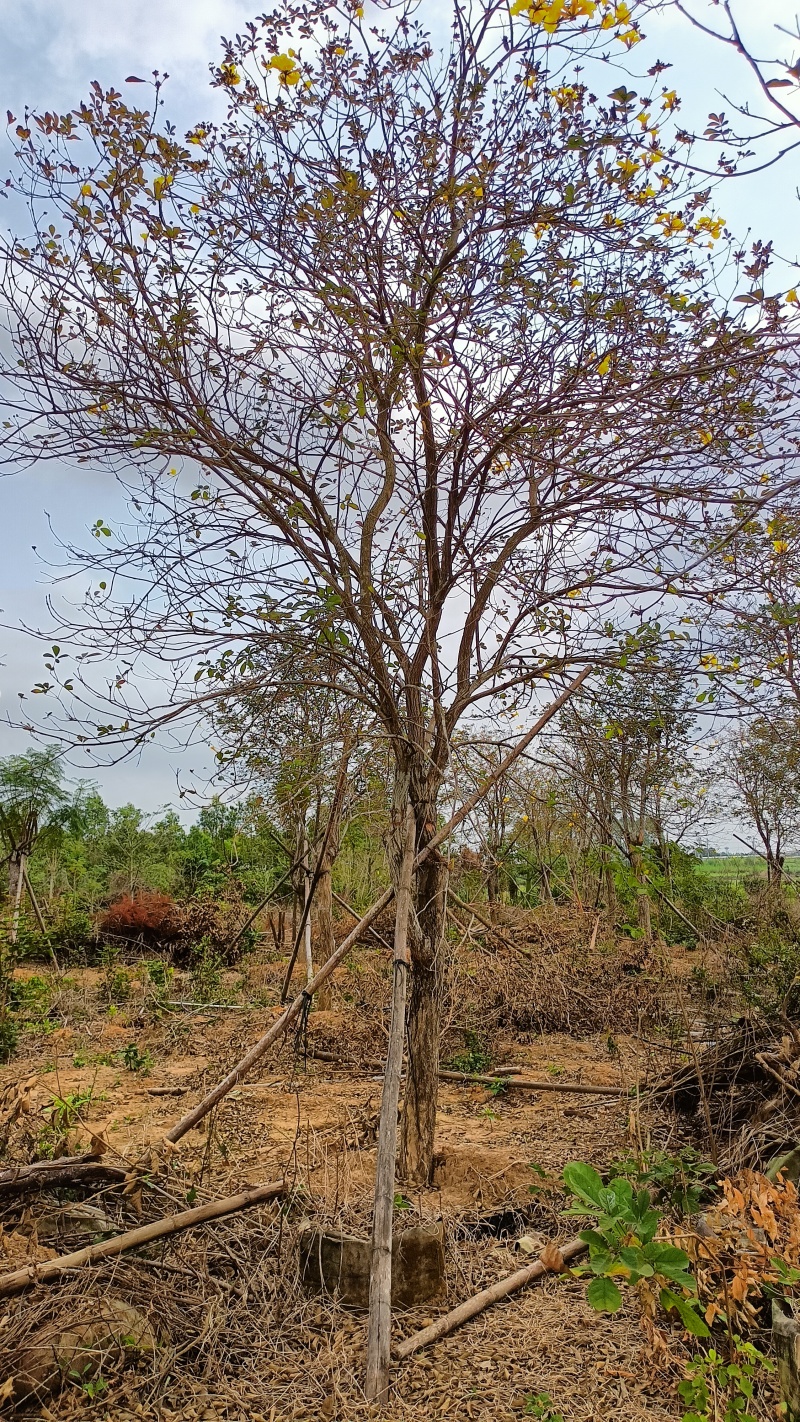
[[238, 1336]]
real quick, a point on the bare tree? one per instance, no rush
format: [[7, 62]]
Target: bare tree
[[763, 770], [431, 340]]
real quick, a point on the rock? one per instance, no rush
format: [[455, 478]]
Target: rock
[[786, 1337], [103, 1333], [339, 1263]]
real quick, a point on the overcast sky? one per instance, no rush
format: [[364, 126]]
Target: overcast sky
[[50, 51]]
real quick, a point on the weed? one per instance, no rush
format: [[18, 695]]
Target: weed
[[65, 1111], [31, 997], [401, 1203], [206, 972], [681, 1182], [623, 1245], [540, 1404], [474, 1059], [136, 1060], [713, 1383], [160, 975], [115, 984]]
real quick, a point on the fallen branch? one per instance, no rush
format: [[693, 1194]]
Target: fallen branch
[[523, 1085], [41, 1273], [208, 1006], [59, 1174], [449, 1322], [787, 1085], [166, 1090], [303, 998]]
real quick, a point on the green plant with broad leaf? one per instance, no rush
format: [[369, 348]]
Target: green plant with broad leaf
[[623, 1246]]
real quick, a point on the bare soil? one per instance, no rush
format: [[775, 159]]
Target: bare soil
[[239, 1337]]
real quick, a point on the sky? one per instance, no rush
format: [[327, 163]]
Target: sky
[[50, 51]]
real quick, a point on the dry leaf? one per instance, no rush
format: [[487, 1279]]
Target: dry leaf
[[552, 1258], [528, 1244]]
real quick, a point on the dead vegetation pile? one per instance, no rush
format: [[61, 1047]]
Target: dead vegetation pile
[[157, 923], [742, 1091]]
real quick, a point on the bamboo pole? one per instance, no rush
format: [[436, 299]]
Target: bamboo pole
[[379, 1332], [449, 1322], [295, 1007], [522, 1084], [42, 1273]]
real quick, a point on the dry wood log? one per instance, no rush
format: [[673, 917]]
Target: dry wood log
[[41, 1273], [300, 1003], [449, 1322], [59, 1174], [166, 1090], [553, 1084]]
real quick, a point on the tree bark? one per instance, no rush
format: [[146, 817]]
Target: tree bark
[[422, 1079], [643, 917], [379, 1336]]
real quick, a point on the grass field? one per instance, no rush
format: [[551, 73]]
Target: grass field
[[744, 866]]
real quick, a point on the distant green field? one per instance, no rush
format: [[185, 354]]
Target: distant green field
[[744, 866]]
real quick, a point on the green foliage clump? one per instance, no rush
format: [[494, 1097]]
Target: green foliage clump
[[770, 972], [206, 972], [116, 981], [718, 1389], [475, 1057], [623, 1245], [679, 1182], [133, 1059]]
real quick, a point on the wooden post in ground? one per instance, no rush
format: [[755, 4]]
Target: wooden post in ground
[[379, 1332]]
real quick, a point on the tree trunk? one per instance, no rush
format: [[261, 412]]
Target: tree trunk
[[16, 880], [642, 897], [422, 1079]]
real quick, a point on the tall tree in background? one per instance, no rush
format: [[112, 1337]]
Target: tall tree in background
[[626, 748], [763, 770], [32, 795], [422, 363]]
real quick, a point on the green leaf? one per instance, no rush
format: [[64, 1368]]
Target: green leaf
[[585, 1182], [688, 1315], [634, 1259], [593, 1238], [604, 1296]]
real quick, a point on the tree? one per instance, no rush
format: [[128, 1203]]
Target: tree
[[763, 770], [32, 795], [750, 637], [431, 342], [626, 749]]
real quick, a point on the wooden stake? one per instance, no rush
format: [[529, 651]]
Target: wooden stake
[[465, 1311], [379, 1332], [172, 1224], [321, 976]]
